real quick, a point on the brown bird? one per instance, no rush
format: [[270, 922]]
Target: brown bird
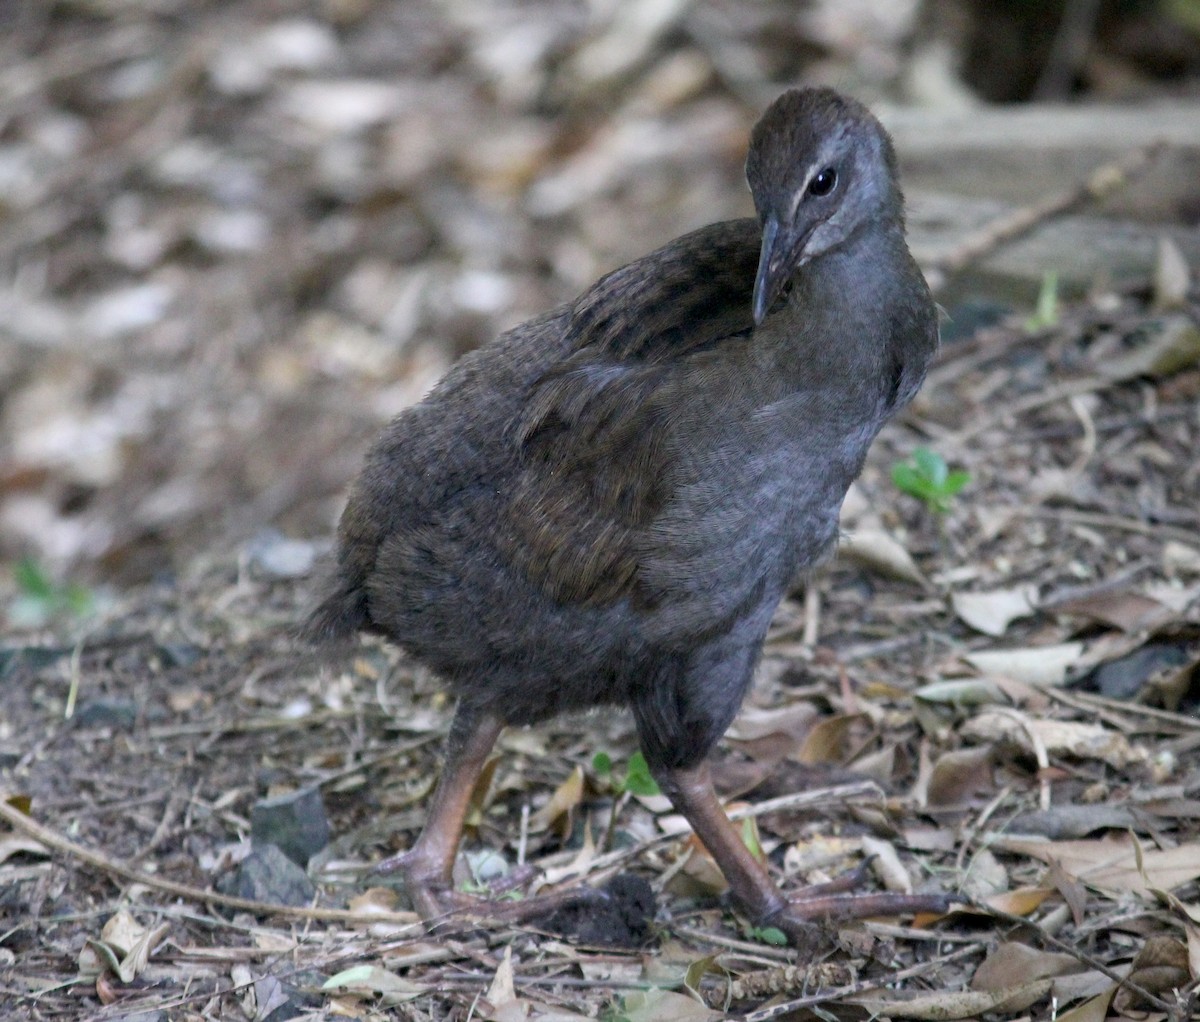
[[606, 504]]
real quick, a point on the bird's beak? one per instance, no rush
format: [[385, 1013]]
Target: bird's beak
[[776, 263]]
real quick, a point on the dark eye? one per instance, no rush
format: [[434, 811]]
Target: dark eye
[[823, 183]]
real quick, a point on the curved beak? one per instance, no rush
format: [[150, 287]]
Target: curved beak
[[777, 261]]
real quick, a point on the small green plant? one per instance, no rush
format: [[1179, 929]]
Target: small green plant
[[40, 599], [766, 935], [1045, 314], [927, 477], [637, 779]]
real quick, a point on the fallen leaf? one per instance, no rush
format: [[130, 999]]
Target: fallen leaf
[[1036, 665], [1013, 963], [563, 802], [1125, 609], [665, 1006], [1175, 345], [372, 980], [877, 551], [887, 865], [941, 1006], [992, 612], [1110, 864], [959, 775], [1061, 737], [1172, 278]]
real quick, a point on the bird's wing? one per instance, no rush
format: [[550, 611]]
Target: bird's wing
[[596, 435]]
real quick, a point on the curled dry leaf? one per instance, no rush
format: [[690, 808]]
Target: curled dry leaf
[[887, 865], [563, 802], [877, 551]]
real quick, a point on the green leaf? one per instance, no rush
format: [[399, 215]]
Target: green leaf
[[1046, 313], [772, 935], [955, 481], [602, 764], [931, 465], [32, 580], [638, 779]]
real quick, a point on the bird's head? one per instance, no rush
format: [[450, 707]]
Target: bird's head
[[820, 166]]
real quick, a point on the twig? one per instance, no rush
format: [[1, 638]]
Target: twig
[[812, 1000], [1076, 953], [1102, 182], [53, 840]]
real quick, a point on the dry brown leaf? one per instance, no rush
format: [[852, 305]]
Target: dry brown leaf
[[986, 876], [1160, 967], [1179, 557], [877, 551], [1013, 963], [887, 865], [563, 802], [992, 612], [1093, 1010], [1062, 737], [502, 988], [16, 845], [938, 1007], [826, 741], [1072, 891], [1110, 864], [959, 775], [772, 734], [1022, 901], [1125, 609]]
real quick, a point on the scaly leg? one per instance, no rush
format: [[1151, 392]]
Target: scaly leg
[[429, 865], [692, 793]]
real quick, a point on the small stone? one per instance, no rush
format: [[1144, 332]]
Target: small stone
[[266, 874], [295, 823], [106, 712]]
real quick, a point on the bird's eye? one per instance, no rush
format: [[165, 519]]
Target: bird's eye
[[823, 183]]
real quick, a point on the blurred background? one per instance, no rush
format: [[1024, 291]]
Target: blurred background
[[237, 237]]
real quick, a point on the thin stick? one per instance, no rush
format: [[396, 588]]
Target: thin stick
[[53, 840], [1102, 182]]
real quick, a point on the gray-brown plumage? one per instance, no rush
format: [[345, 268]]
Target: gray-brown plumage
[[607, 503]]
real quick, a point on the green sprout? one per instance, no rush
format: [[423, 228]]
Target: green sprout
[[926, 476], [637, 780], [1045, 314], [40, 599], [766, 935]]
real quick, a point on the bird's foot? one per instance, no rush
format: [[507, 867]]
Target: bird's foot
[[798, 917], [447, 910]]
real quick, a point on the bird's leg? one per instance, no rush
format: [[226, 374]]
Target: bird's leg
[[428, 866], [692, 793]]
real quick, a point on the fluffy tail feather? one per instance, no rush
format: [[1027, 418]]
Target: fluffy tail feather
[[336, 619]]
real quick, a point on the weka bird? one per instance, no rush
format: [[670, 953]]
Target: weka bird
[[606, 504]]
